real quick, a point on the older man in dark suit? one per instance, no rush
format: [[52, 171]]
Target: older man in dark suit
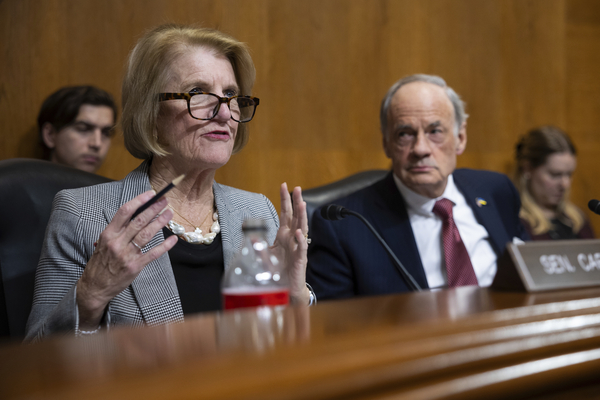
[[446, 226]]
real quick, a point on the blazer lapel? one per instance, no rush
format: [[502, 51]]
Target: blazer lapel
[[390, 218], [230, 219], [487, 214], [154, 288]]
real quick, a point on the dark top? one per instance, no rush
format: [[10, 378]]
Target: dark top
[[561, 231], [198, 271]]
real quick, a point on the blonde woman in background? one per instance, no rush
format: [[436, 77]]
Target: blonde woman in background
[[546, 160]]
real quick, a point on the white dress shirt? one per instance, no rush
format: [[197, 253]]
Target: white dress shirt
[[427, 229]]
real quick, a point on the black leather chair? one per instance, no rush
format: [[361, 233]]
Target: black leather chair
[[321, 195], [27, 188]]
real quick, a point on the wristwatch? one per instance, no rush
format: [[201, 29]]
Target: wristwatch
[[313, 297]]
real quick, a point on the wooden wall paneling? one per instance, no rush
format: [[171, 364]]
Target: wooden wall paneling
[[287, 85], [26, 71], [533, 80], [314, 103], [583, 99], [322, 69], [465, 56]]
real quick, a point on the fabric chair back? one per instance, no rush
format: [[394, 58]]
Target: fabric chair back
[[27, 188]]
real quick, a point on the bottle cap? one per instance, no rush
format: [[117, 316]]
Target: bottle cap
[[254, 224]]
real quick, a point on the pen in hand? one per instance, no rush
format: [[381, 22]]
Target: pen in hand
[[160, 194]]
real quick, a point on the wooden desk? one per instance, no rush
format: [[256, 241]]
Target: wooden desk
[[453, 344]]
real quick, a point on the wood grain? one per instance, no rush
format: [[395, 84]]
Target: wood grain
[[323, 67], [465, 343]]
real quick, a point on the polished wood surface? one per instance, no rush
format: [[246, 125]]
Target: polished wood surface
[[466, 343], [323, 67]]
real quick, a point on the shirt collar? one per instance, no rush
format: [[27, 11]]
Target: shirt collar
[[422, 205]]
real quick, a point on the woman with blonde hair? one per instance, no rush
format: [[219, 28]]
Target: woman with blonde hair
[[186, 105], [546, 160]]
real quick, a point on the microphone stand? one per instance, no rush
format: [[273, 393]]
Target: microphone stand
[[410, 281]]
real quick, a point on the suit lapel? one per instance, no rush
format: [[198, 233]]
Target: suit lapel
[[154, 288], [234, 207], [487, 214], [389, 216], [230, 219]]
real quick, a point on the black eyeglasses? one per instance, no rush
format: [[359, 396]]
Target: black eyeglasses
[[205, 106]]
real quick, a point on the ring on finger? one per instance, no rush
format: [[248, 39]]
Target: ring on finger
[[307, 238], [136, 245]]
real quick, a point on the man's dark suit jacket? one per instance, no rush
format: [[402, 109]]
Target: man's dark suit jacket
[[346, 260]]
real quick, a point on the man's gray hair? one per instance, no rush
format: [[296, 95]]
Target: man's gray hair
[[459, 106]]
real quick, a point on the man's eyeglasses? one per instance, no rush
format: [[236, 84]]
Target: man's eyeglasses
[[205, 106]]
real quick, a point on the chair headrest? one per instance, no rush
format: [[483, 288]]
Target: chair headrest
[[321, 195]]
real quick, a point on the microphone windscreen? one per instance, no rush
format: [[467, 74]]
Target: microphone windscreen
[[332, 212], [594, 205]]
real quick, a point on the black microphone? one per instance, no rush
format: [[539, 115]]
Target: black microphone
[[594, 205], [334, 212]]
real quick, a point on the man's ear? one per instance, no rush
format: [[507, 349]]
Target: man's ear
[[384, 141], [49, 135], [461, 139]]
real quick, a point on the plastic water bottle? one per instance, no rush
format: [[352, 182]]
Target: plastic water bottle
[[256, 277]]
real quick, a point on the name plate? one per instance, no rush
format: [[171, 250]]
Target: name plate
[[549, 265]]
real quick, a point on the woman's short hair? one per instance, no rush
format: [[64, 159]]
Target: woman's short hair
[[532, 151], [147, 72], [62, 107]]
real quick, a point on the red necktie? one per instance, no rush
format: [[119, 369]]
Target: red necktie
[[458, 264]]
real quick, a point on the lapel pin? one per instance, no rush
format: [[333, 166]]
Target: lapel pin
[[480, 202]]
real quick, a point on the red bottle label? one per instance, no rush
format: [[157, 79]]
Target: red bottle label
[[254, 297]]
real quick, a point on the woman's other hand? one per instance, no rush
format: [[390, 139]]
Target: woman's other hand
[[291, 242], [117, 259]]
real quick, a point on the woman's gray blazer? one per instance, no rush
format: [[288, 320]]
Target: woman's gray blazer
[[80, 215]]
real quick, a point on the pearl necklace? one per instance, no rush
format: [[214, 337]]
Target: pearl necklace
[[196, 237]]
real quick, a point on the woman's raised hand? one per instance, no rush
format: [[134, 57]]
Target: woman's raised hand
[[118, 258], [291, 242]]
